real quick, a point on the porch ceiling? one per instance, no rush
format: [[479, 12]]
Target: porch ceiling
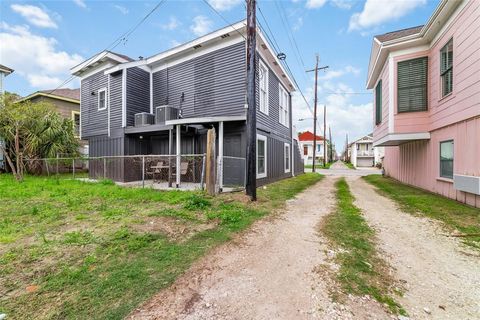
[[396, 139], [148, 128]]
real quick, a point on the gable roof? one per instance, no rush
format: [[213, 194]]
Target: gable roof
[[5, 69], [398, 34], [70, 95], [99, 58], [308, 136]]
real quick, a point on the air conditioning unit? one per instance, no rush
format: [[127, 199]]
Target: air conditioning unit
[[165, 113], [144, 119]]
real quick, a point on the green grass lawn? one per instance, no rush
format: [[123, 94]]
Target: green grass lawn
[[319, 166], [362, 271], [454, 215], [72, 249], [349, 165]]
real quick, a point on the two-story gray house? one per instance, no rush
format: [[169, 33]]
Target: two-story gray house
[[165, 104]]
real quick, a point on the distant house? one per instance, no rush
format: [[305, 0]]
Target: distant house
[[306, 147], [165, 104], [67, 103], [427, 101], [362, 153], [4, 71]]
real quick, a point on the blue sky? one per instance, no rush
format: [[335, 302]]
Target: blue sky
[[41, 40]]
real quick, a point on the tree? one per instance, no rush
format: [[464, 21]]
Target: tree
[[33, 131]]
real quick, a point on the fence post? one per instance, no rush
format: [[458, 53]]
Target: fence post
[[202, 178], [143, 171], [57, 164], [73, 168], [46, 165], [211, 163], [104, 167]]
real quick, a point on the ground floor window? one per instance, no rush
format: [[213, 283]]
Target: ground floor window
[[287, 157], [446, 159], [261, 156], [305, 150]]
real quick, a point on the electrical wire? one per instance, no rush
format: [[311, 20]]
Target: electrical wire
[[223, 18], [121, 39]]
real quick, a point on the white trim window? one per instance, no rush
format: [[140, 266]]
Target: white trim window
[[102, 99], [263, 74], [283, 110], [286, 157], [261, 156]]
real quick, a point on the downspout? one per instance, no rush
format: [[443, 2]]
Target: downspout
[[108, 106]]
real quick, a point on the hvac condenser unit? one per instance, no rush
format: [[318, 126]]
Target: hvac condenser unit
[[165, 113], [144, 119]]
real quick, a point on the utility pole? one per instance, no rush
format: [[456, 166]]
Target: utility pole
[[315, 111], [251, 183], [331, 146], [325, 134]]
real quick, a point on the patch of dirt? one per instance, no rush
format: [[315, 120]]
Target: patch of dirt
[[175, 229], [441, 281], [268, 272]]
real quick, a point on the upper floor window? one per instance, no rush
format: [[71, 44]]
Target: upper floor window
[[378, 103], [305, 150], [102, 99], [446, 68], [284, 114], [76, 123], [412, 85], [263, 87], [319, 148], [446, 159]]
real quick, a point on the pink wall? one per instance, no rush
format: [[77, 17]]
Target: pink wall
[[417, 163], [456, 116], [382, 129]]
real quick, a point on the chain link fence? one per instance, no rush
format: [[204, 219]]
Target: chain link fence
[[155, 171]]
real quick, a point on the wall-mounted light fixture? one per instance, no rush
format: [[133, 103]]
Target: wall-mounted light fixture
[[182, 99], [93, 93]]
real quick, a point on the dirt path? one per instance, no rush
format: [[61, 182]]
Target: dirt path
[[269, 273], [437, 273]]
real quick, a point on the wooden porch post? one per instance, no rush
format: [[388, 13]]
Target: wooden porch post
[[178, 170]]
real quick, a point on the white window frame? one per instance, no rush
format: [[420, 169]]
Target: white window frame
[[263, 107], [287, 151], [104, 90], [283, 107], [264, 139], [74, 113]]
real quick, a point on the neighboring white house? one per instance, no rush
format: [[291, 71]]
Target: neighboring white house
[[306, 147], [361, 152], [4, 71]]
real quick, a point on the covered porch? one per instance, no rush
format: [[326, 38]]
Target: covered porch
[[180, 146]]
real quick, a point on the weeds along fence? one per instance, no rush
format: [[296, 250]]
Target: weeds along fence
[[158, 171]]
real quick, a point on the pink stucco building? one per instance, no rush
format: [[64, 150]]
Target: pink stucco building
[[426, 83]]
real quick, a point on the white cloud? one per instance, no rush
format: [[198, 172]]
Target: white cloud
[[35, 57], [122, 9], [315, 4], [376, 12], [80, 3], [223, 5], [343, 4], [298, 24], [332, 73], [172, 24], [201, 25], [34, 15]]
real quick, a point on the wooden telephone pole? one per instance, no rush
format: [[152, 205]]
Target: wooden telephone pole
[[325, 135], [251, 183], [330, 158], [315, 111]]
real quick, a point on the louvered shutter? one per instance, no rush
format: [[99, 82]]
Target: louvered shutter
[[378, 103], [412, 85]]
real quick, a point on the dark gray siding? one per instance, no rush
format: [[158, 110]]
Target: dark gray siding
[[101, 146], [116, 100], [275, 160], [138, 93], [209, 85], [94, 122], [271, 121], [298, 159]]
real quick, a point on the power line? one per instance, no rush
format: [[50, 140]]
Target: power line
[[270, 30], [223, 18], [123, 38]]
